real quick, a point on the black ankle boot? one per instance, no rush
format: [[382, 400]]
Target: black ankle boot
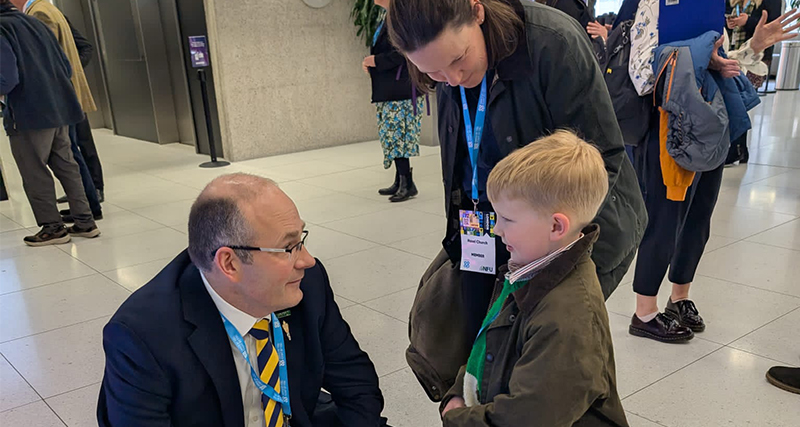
[[407, 189], [390, 191]]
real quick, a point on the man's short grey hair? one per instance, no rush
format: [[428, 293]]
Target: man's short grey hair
[[216, 219]]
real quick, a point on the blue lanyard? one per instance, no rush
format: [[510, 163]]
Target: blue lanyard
[[377, 32], [238, 341], [474, 139], [27, 5]]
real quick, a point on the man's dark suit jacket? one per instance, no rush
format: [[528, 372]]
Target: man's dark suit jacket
[[169, 361]]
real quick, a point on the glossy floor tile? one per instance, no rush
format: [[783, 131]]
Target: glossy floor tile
[[54, 301], [725, 388]]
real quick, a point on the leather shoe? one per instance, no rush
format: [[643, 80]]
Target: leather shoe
[[685, 312], [661, 328], [785, 377]]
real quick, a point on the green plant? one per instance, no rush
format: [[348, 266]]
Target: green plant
[[366, 16]]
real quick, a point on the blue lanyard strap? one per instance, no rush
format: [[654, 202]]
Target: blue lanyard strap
[[238, 341], [27, 5], [474, 136], [377, 32]]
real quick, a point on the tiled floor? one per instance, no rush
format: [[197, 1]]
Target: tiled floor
[[55, 300]]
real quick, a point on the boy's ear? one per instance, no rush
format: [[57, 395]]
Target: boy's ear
[[560, 227]]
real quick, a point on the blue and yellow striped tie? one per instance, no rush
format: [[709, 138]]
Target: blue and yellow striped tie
[[268, 367]]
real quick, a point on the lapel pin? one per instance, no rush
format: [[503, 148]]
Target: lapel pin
[[286, 330]]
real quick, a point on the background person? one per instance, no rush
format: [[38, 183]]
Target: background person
[[679, 225], [41, 104], [740, 29], [399, 120], [55, 20]]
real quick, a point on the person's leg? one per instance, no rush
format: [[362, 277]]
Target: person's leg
[[658, 242], [692, 238], [737, 150], [655, 250], [66, 169], [89, 152], [86, 177], [31, 149], [403, 165], [384, 135], [406, 144]]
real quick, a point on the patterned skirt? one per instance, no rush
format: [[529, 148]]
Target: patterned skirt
[[399, 129]]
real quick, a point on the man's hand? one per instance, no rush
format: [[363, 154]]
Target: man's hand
[[456, 402], [738, 21], [596, 30], [729, 68], [776, 31], [367, 63]]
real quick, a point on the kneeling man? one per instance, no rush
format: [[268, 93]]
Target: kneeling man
[[241, 329]]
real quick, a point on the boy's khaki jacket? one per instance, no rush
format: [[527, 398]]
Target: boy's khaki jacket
[[549, 355]]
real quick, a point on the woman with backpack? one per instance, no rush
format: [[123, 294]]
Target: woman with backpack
[[399, 119]]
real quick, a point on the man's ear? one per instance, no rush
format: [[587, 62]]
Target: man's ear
[[228, 264]]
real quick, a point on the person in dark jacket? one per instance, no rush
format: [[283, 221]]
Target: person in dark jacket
[[52, 17], [84, 129], [741, 28], [399, 110], [41, 105], [531, 70], [233, 334]]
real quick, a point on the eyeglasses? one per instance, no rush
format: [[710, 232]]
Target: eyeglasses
[[292, 251]]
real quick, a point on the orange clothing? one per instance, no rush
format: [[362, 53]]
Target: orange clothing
[[676, 179]]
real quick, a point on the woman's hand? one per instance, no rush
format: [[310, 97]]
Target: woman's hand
[[369, 62], [456, 402], [729, 68], [776, 31], [596, 30], [738, 21]]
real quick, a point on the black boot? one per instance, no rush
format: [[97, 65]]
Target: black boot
[[389, 191], [407, 189]]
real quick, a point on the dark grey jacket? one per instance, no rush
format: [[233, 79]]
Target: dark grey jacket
[[553, 82]]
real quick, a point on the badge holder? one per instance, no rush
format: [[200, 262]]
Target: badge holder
[[478, 252]]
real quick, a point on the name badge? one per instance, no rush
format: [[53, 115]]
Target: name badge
[[478, 251]]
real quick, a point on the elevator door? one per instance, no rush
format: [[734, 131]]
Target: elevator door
[[128, 84]]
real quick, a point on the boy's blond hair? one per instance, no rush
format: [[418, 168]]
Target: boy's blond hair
[[557, 173]]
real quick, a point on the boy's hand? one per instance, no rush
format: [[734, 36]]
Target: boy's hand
[[456, 402]]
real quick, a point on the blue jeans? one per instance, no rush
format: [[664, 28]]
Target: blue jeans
[[86, 176]]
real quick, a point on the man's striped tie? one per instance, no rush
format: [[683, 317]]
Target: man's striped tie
[[268, 367]]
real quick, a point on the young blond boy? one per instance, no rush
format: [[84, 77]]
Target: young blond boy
[[544, 356]]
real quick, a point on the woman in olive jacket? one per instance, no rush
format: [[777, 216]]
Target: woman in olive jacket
[[541, 76]]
